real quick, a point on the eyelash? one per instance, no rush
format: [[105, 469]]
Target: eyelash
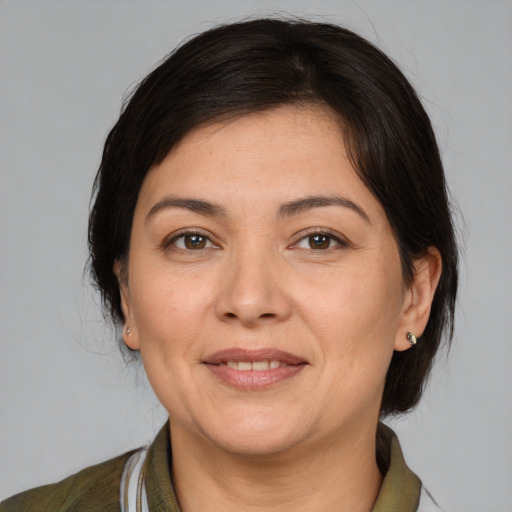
[[171, 243], [340, 243]]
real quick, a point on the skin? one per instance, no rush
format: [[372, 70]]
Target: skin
[[258, 279]]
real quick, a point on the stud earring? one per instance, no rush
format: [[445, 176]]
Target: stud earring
[[128, 331], [411, 338]]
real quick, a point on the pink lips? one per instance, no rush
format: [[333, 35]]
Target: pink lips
[[253, 379]]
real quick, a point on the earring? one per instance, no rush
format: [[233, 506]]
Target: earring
[[128, 331], [411, 338]]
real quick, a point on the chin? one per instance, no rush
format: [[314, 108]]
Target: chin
[[253, 437], [258, 445]]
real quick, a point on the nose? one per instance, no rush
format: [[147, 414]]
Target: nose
[[253, 291]]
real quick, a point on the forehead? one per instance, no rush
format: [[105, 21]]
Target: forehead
[[270, 157]]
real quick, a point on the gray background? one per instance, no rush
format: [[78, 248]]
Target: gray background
[[66, 398]]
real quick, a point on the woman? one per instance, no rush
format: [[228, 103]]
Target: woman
[[271, 228]]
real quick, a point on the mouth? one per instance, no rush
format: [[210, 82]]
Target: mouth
[[256, 366], [253, 369]]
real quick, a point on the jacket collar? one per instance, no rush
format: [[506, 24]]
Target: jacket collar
[[400, 491]]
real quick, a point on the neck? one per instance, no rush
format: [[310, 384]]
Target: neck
[[330, 475]]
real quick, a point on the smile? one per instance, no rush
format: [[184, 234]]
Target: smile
[[253, 369], [257, 366]]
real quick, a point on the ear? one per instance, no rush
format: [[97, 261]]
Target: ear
[[418, 297], [130, 334]]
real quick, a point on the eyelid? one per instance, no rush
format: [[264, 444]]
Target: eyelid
[[337, 237], [176, 235]]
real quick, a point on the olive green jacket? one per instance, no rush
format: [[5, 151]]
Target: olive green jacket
[[97, 488]]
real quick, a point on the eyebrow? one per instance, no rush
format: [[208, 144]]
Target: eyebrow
[[193, 205], [285, 210], [310, 202]]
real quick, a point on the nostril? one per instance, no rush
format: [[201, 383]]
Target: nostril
[[262, 316]]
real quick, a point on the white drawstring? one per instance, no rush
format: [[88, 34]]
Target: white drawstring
[[133, 488]]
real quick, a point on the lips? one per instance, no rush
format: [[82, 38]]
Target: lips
[[253, 369]]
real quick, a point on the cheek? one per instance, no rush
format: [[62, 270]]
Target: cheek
[[169, 309], [360, 301], [354, 316], [169, 313]]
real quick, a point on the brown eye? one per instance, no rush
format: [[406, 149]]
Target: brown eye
[[192, 242], [319, 241]]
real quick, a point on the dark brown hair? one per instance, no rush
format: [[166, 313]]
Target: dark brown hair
[[256, 65]]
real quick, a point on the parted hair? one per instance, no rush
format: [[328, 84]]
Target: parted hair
[[256, 65]]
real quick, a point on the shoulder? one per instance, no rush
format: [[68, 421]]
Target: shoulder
[[94, 488]]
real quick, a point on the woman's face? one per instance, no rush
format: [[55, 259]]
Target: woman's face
[[264, 287]]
